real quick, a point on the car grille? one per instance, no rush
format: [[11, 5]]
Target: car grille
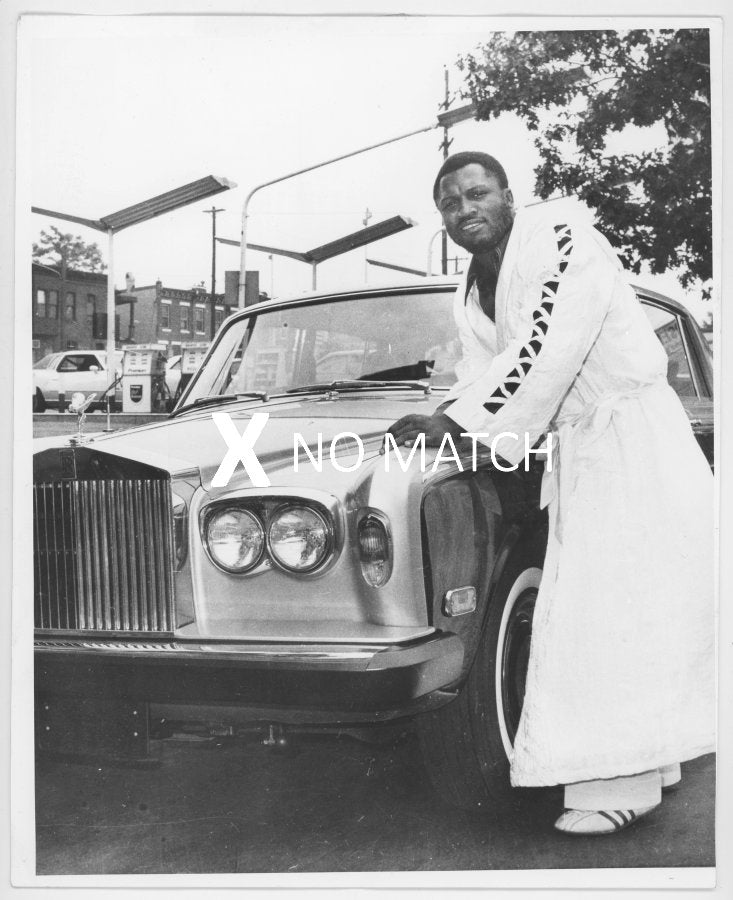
[[103, 555]]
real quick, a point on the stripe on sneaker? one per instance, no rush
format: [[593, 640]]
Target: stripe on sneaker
[[622, 815], [609, 815]]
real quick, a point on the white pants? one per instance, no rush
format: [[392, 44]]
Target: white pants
[[628, 792]]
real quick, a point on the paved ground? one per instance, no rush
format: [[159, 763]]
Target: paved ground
[[326, 805]]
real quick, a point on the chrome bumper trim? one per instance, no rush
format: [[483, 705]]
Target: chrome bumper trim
[[202, 651]]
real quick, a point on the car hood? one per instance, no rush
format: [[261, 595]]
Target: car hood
[[191, 444]]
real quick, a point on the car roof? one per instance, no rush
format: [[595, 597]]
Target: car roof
[[83, 350], [435, 283], [655, 296]]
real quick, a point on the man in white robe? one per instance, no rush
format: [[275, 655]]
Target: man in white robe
[[620, 685]]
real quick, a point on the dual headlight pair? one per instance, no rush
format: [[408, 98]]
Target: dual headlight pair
[[298, 538]]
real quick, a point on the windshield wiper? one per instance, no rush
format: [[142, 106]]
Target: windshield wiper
[[319, 387], [356, 385], [217, 399]]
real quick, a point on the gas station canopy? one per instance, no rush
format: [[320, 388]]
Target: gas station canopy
[[149, 209], [341, 245]]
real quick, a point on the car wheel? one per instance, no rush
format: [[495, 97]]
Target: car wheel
[[39, 403], [466, 744]]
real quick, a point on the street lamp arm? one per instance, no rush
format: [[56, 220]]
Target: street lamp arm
[[430, 250], [327, 162]]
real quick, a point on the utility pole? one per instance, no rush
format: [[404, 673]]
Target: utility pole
[[445, 146], [61, 302], [212, 212], [365, 222]]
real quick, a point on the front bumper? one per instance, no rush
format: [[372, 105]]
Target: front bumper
[[319, 683]]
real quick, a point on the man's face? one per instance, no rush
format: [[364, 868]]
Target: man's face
[[476, 211]]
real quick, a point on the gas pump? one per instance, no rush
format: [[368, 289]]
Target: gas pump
[[192, 355], [143, 378]]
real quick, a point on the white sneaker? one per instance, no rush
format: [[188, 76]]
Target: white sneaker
[[599, 821]]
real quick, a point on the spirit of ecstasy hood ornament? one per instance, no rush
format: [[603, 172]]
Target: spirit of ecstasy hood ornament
[[79, 405]]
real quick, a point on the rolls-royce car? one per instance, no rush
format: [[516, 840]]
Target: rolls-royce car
[[262, 558]]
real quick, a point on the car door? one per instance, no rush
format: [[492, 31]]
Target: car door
[[81, 372], [689, 369], [99, 379]]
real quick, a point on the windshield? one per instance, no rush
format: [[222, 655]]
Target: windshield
[[396, 337], [47, 362]]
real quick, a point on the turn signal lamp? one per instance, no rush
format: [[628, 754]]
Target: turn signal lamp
[[460, 601], [375, 550]]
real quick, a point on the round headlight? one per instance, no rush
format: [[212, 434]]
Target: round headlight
[[235, 539], [298, 538]]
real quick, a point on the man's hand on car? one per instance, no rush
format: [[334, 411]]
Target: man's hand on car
[[407, 429]]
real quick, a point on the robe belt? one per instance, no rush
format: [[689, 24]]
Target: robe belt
[[567, 435]]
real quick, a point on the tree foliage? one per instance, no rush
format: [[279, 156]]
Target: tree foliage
[[654, 205], [67, 251]]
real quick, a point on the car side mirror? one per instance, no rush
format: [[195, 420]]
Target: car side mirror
[[94, 369]]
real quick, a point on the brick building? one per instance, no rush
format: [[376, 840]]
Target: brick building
[[175, 316], [70, 311]]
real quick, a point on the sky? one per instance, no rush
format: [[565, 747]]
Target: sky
[[117, 110]]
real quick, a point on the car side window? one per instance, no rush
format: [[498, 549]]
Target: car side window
[[88, 361], [668, 329], [71, 364], [79, 362], [96, 361]]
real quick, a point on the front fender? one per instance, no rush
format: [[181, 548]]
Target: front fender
[[472, 524]]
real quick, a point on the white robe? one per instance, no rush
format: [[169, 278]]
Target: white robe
[[621, 673]]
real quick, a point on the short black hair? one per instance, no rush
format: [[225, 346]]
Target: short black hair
[[458, 160]]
